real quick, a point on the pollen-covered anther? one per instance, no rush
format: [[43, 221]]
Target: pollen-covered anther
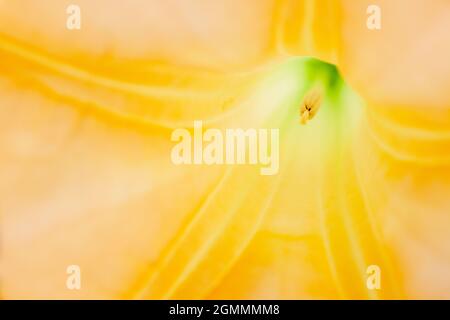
[[310, 105], [304, 117]]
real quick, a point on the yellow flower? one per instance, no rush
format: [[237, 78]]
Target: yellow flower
[[86, 118]]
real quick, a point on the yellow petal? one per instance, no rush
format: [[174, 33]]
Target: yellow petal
[[87, 179]]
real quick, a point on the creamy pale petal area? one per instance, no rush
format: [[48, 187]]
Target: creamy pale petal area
[[403, 73], [86, 176]]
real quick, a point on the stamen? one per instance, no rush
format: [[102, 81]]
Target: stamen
[[310, 105]]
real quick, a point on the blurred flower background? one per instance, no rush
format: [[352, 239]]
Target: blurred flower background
[[85, 171]]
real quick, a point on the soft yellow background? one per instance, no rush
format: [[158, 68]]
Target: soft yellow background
[[85, 170]]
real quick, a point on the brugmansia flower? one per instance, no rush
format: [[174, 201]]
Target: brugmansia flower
[[87, 179]]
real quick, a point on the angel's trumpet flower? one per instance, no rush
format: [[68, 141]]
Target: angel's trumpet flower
[[358, 208]]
